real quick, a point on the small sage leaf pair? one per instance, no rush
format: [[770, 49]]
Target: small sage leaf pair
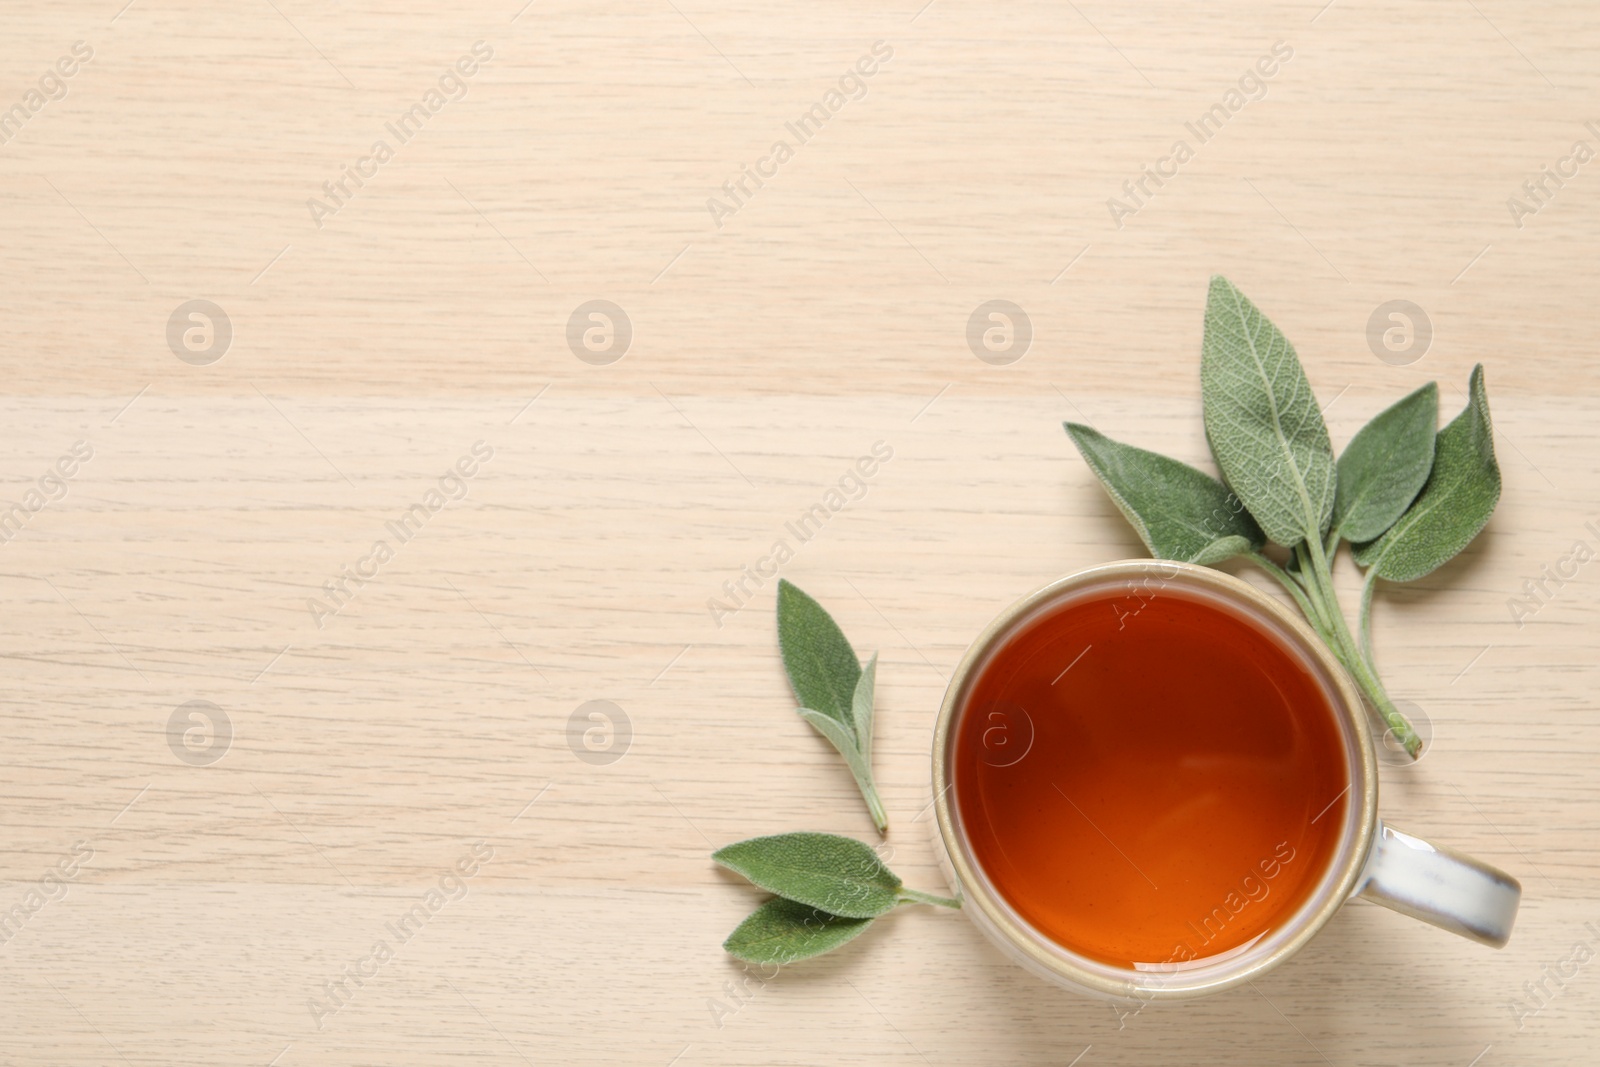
[[1408, 499], [1460, 493], [829, 889], [834, 691]]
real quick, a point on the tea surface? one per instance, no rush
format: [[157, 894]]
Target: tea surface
[[1149, 777]]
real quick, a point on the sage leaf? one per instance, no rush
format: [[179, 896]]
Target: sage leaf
[[1455, 503], [839, 875], [1178, 512], [826, 676], [821, 665], [1385, 465], [783, 931], [861, 707], [1262, 420]]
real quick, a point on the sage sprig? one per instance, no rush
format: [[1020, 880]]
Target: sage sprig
[[829, 888], [1408, 499], [834, 691]]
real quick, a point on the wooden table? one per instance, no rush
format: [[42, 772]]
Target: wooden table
[[202, 873]]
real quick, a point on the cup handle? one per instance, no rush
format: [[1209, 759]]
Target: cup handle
[[1440, 886]]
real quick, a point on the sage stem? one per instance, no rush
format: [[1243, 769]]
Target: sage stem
[[1288, 582], [913, 896], [1355, 662], [1364, 618]]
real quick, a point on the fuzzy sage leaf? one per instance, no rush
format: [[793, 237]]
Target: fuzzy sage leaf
[[835, 693], [1262, 420], [1178, 512], [783, 931], [1385, 465], [1454, 505], [821, 665], [840, 875]]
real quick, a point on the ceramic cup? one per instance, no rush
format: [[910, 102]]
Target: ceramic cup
[[1371, 860]]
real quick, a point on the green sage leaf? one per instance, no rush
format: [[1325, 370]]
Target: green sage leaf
[[1385, 465], [821, 665], [783, 931], [1455, 503], [839, 875], [861, 707], [1262, 420], [1178, 512]]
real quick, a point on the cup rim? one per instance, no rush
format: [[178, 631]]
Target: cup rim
[[1029, 946]]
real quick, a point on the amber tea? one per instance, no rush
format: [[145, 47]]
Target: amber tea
[[1150, 775]]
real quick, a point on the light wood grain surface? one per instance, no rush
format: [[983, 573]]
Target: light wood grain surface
[[192, 912]]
